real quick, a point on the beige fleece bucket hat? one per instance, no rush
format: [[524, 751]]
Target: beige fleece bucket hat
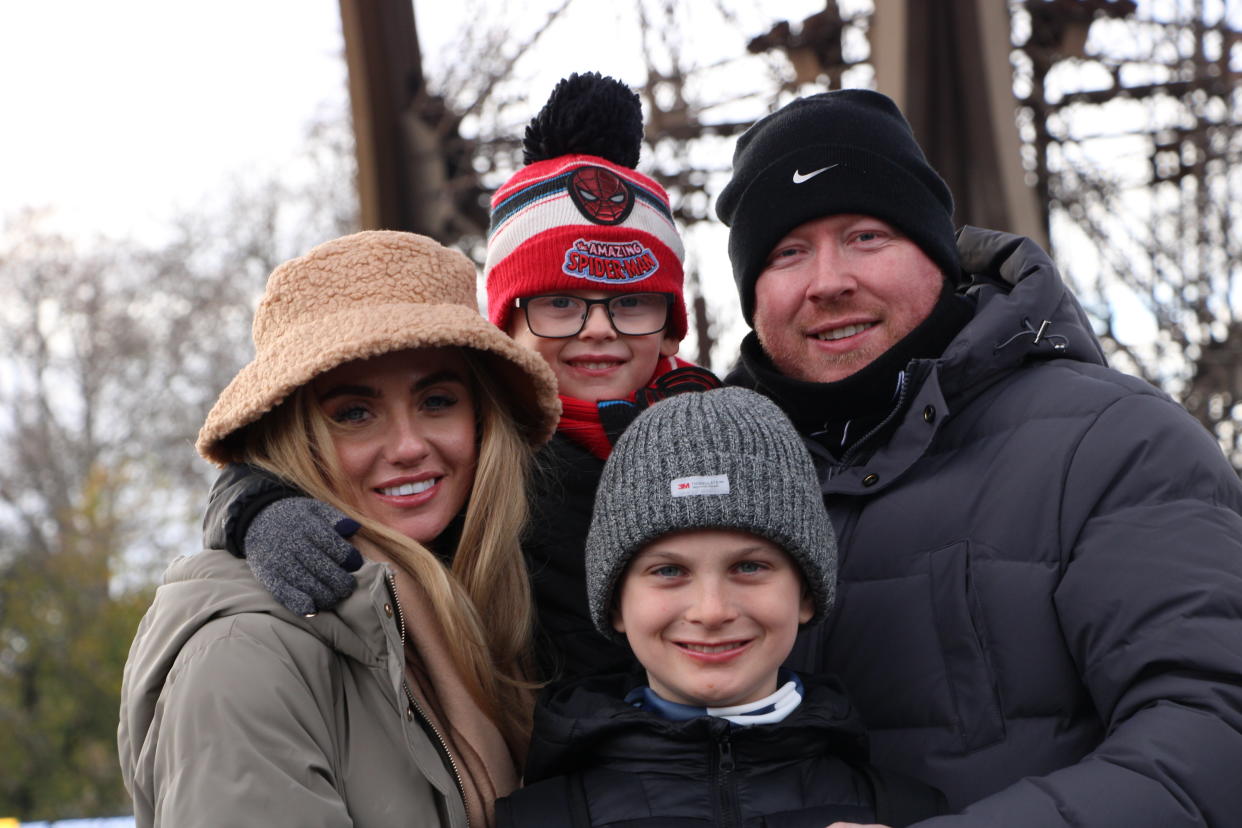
[[361, 296]]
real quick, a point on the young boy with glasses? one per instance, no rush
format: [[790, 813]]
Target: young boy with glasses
[[584, 266]]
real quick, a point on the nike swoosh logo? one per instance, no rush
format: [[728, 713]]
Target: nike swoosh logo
[[798, 177]]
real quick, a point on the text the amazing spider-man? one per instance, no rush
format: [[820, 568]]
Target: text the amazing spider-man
[[599, 261]]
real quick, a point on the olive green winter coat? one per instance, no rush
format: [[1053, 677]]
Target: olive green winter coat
[[235, 711]]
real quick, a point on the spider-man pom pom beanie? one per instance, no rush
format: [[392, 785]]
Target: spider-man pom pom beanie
[[578, 216]]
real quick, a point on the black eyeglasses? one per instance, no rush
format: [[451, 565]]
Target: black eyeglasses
[[631, 314]]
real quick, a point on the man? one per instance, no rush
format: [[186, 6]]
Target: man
[[1040, 585]]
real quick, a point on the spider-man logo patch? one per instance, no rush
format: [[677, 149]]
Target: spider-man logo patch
[[601, 195]]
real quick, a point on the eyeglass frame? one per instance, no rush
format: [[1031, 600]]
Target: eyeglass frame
[[523, 301]]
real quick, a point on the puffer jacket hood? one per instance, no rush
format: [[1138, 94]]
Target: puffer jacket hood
[[1024, 311]]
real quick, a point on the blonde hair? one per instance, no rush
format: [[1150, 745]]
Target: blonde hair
[[491, 649]]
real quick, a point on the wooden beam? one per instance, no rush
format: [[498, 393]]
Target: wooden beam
[[385, 76], [946, 64]]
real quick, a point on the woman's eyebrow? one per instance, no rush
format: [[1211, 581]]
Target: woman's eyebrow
[[344, 390], [446, 375], [348, 391]]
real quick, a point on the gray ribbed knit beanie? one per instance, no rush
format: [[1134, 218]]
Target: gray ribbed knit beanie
[[721, 459], [844, 151]]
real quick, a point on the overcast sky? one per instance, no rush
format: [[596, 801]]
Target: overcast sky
[[116, 112]]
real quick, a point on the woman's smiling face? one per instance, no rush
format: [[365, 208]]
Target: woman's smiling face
[[403, 426]]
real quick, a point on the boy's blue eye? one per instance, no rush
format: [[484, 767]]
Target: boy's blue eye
[[667, 571], [750, 567]]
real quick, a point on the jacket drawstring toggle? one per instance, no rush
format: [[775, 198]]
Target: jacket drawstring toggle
[[1058, 342]]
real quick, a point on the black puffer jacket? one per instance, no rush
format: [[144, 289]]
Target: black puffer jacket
[[1040, 584], [596, 760]]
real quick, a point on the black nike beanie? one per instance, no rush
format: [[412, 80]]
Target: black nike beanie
[[844, 151]]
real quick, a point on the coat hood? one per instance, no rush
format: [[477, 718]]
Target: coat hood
[[1023, 311]]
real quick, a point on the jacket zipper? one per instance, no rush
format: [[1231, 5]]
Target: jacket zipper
[[853, 451], [724, 781], [422, 715]]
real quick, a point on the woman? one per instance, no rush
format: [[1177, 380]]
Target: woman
[[378, 389]]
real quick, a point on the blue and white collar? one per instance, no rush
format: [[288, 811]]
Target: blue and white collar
[[773, 708]]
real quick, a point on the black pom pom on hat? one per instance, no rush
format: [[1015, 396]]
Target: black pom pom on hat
[[587, 114]]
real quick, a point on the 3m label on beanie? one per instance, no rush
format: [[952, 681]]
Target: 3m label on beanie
[[712, 484], [612, 262]]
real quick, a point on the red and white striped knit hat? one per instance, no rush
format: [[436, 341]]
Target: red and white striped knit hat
[[578, 216]]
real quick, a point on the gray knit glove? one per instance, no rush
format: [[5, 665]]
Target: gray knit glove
[[297, 550]]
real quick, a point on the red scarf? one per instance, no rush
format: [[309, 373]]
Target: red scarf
[[580, 420]]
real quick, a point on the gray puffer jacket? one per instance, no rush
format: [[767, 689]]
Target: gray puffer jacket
[[236, 712], [1040, 592]]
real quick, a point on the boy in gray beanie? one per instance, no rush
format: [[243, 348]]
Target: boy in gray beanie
[[724, 460], [709, 548]]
